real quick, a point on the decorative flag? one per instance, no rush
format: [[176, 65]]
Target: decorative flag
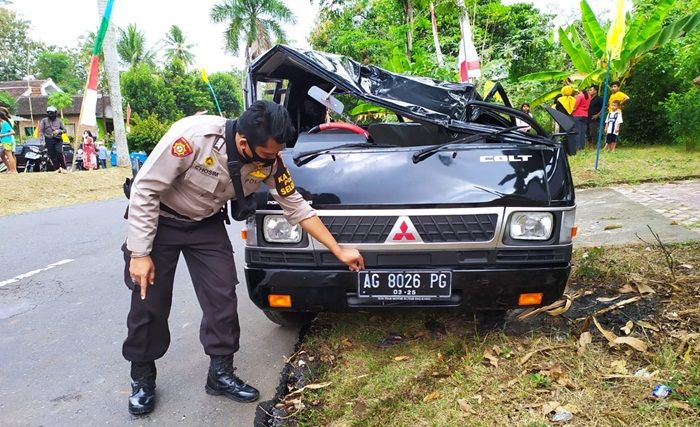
[[469, 67], [36, 131], [128, 117], [205, 78], [616, 33], [438, 52], [89, 107]]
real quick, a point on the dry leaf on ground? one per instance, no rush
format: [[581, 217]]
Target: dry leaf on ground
[[488, 355], [627, 289], [633, 342], [627, 329], [583, 341], [549, 407], [607, 299], [609, 335], [647, 325], [401, 358], [432, 396], [645, 289], [465, 407], [619, 366]]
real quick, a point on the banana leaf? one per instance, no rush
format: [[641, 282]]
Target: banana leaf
[[595, 77], [669, 32], [544, 76], [594, 31], [656, 20], [580, 58], [545, 97], [367, 108]]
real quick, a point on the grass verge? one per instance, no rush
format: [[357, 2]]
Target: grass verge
[[458, 374], [631, 165], [27, 192]]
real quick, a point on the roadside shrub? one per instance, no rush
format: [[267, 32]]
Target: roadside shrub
[[590, 266], [146, 132], [682, 116]]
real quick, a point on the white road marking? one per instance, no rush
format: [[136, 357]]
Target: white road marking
[[33, 272]]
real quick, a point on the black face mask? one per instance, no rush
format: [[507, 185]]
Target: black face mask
[[256, 158], [52, 115]]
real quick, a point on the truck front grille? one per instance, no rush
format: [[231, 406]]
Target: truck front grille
[[432, 228], [456, 228], [359, 229]]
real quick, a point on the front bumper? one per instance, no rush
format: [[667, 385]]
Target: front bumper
[[490, 287]]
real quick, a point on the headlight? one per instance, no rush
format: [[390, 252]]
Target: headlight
[[531, 225], [276, 229]]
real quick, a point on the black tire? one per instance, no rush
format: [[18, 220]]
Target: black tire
[[288, 318], [29, 167]]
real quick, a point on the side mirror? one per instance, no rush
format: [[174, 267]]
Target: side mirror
[[567, 124], [326, 99]]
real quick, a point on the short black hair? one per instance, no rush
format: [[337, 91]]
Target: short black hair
[[615, 83], [264, 120], [594, 87], [524, 104], [89, 133]]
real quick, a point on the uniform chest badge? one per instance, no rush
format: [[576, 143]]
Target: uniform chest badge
[[181, 148], [258, 173], [209, 161]]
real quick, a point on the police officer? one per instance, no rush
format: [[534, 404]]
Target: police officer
[[176, 207]]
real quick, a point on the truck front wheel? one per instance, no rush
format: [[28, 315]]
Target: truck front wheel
[[288, 318]]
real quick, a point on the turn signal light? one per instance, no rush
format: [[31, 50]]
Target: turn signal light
[[530, 299], [280, 301], [244, 235], [574, 231]]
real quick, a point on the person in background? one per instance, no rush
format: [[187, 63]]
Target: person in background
[[7, 142], [617, 95], [612, 126], [580, 113], [89, 151], [102, 154], [594, 110], [565, 103], [522, 125], [50, 130]]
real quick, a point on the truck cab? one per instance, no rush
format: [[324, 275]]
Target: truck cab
[[452, 204]]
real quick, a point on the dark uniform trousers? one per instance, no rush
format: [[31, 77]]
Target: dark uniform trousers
[[209, 256]]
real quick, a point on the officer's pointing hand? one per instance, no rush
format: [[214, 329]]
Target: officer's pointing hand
[[352, 258], [143, 273]]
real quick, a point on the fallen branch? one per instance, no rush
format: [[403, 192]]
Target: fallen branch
[[613, 307]]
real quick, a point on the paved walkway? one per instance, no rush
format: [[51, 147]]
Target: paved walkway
[[609, 216]]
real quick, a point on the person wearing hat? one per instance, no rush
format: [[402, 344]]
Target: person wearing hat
[[50, 130]]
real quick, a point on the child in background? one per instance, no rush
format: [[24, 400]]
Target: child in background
[[612, 126], [102, 154]]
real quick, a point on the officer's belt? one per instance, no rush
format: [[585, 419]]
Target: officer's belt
[[182, 218]]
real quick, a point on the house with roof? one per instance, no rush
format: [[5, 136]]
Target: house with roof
[[32, 99]]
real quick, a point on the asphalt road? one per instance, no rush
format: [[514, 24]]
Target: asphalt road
[[61, 330]]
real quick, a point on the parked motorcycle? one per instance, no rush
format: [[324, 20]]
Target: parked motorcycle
[[37, 159]]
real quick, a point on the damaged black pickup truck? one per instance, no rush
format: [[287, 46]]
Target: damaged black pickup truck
[[451, 202]]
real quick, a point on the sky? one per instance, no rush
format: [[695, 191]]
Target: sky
[[69, 19]]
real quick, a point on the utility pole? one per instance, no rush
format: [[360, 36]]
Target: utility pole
[[112, 70]]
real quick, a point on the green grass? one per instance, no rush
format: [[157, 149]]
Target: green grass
[[448, 380], [631, 165]]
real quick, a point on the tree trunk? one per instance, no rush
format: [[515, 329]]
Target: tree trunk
[[408, 10], [112, 71]]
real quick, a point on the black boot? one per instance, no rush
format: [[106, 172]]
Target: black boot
[[143, 388], [222, 381]]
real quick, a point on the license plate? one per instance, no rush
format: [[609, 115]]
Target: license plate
[[405, 285]]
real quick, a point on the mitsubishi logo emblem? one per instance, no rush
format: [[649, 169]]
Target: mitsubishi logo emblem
[[404, 232]]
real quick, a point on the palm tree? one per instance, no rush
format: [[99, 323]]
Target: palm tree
[[253, 22], [176, 48], [131, 47]]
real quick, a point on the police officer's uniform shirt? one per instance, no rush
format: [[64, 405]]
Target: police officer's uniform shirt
[[187, 172]]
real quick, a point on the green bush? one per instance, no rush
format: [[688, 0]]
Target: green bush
[[146, 132], [682, 116]]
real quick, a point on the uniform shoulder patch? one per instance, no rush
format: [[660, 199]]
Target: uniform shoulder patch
[[181, 148], [283, 180]]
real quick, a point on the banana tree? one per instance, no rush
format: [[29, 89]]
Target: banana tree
[[589, 59]]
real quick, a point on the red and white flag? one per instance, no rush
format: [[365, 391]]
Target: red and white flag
[[469, 67], [89, 107]]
